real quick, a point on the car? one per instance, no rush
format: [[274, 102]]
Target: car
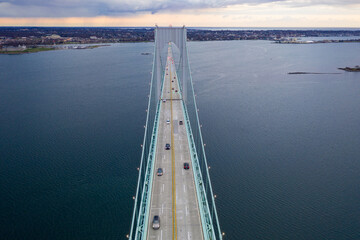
[[159, 172], [168, 121], [186, 166], [174, 77], [167, 146], [181, 123], [156, 222], [164, 100], [176, 90], [172, 88]]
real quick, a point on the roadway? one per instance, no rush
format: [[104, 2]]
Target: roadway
[[173, 195]]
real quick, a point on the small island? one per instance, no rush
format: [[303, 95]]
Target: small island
[[310, 73], [351, 69]]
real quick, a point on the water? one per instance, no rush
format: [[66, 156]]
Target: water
[[283, 149]]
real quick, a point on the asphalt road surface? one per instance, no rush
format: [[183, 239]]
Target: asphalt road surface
[[173, 195]]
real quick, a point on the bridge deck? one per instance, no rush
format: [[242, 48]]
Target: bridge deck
[[173, 195]]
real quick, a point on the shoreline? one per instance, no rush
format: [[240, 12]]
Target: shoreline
[[294, 73], [47, 48], [351, 69]]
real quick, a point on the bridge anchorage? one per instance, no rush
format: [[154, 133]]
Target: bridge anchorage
[[174, 197]]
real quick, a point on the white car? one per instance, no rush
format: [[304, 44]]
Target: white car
[[164, 100], [168, 121]]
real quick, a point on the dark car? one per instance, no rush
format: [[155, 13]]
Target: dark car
[[186, 166], [181, 122], [159, 172], [156, 222], [167, 146]]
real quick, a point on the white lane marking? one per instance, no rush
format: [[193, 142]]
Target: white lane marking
[[163, 188], [187, 210], [162, 208], [161, 235], [189, 236], [184, 188]]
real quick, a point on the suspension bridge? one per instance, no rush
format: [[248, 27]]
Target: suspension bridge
[[174, 197]]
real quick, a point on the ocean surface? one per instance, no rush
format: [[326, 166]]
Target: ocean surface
[[283, 149]]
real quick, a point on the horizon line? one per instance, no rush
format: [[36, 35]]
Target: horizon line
[[154, 26]]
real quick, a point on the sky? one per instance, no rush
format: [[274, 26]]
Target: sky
[[191, 13]]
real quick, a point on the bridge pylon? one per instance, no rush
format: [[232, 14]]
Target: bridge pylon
[[177, 36]]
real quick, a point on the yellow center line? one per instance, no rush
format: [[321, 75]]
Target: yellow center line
[[173, 162]]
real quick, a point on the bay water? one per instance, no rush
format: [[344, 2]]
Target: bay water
[[283, 149]]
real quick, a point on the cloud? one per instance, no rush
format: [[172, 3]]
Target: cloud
[[91, 8], [306, 3], [88, 8]]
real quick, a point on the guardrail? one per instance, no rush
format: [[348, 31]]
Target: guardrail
[[139, 221], [206, 197]]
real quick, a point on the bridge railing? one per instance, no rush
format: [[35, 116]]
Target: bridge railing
[[139, 218], [197, 147]]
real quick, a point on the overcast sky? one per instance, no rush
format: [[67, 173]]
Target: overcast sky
[[218, 13]]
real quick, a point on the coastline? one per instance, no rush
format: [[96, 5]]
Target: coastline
[[47, 48], [351, 69]]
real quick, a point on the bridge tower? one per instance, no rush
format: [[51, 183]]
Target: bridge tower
[[178, 36]]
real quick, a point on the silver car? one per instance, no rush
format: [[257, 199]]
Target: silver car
[[156, 222]]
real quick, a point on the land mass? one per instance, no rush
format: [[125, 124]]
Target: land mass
[[33, 36], [351, 69], [310, 73], [34, 49], [27, 50], [296, 41]]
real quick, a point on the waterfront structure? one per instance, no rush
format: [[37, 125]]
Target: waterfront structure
[[177, 201], [13, 49]]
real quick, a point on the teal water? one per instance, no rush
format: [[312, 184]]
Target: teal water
[[283, 149]]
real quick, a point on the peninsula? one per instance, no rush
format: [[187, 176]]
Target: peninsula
[[351, 69]]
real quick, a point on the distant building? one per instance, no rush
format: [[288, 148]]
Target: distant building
[[54, 36], [13, 49]]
